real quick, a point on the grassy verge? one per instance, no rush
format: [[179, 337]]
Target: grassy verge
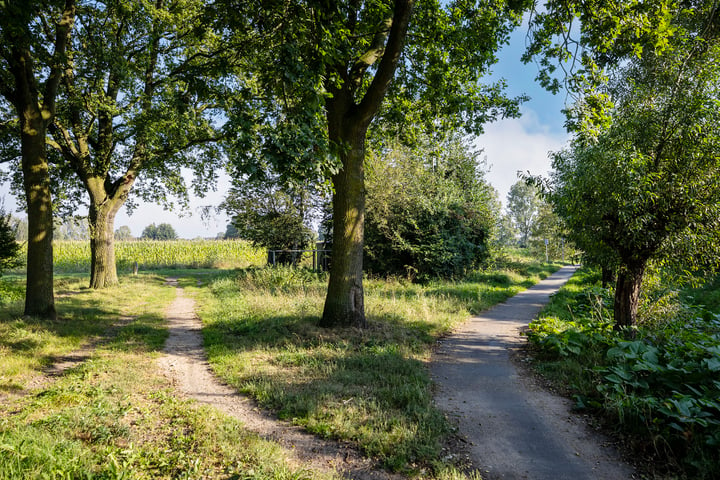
[[112, 415], [661, 390], [370, 387]]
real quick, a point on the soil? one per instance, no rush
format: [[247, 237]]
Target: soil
[[509, 427], [186, 365]]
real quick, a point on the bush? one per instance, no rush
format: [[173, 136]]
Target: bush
[[9, 248], [429, 214]]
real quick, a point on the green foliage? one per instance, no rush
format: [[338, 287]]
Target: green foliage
[[164, 231], [429, 212], [663, 387], [9, 247], [270, 213], [643, 187]]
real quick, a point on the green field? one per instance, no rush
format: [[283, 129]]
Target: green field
[[73, 256], [115, 416]]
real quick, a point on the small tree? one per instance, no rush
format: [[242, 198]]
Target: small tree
[[164, 231], [272, 214], [9, 247]]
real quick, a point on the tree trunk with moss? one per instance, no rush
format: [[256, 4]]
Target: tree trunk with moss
[[345, 303]]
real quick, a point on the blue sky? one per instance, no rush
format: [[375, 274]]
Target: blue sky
[[509, 145], [522, 144]]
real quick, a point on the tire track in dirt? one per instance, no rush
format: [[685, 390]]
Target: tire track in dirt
[[185, 363]]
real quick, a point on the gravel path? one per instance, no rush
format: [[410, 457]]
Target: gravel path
[[186, 364], [515, 429]]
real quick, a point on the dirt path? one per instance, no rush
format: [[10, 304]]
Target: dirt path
[[515, 429], [185, 363]]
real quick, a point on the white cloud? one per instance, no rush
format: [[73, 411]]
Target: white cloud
[[514, 145]]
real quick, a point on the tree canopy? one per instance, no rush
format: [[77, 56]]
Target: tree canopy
[[646, 188], [163, 231], [430, 212]]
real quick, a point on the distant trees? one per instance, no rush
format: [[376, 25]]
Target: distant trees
[[523, 207], [164, 231], [430, 212], [123, 233]]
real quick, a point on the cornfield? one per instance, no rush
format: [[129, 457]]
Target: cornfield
[[74, 256]]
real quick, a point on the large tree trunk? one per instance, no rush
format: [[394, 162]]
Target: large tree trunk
[[39, 296], [627, 295], [103, 270], [106, 199], [344, 304]]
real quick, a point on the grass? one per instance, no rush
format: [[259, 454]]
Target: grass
[[113, 415], [659, 390], [370, 387]]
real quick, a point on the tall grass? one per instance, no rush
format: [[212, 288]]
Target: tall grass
[[370, 387], [74, 256], [113, 415]]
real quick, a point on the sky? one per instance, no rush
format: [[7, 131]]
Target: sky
[[509, 146]]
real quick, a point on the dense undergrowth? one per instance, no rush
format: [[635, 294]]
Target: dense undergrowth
[[661, 388]]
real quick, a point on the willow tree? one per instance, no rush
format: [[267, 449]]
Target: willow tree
[[640, 181], [30, 76], [336, 67]]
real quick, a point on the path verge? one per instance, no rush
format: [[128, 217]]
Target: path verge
[[186, 365]]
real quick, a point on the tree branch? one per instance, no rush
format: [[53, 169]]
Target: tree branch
[[391, 56], [64, 29]]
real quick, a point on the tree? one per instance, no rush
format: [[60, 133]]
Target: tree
[[646, 187], [164, 231], [523, 207], [71, 228], [142, 97], [341, 65], [271, 214], [430, 211], [123, 233], [20, 226], [30, 76], [9, 247]]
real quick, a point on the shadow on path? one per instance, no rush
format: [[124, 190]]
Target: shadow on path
[[515, 430]]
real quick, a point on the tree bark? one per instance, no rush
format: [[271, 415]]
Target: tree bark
[[348, 122], [345, 301], [106, 199], [627, 295], [103, 269], [39, 293]]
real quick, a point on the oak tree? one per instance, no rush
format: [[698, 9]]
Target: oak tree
[[337, 66], [34, 46]]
